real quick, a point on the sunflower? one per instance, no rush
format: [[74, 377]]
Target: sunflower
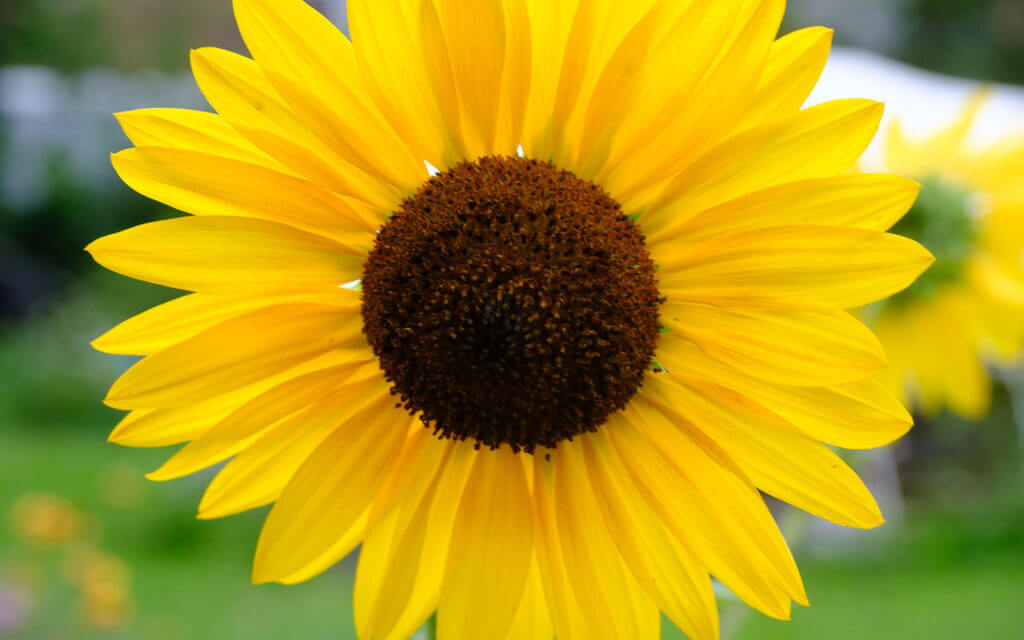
[[530, 299], [967, 311]]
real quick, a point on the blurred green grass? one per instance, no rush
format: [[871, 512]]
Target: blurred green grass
[[952, 571]]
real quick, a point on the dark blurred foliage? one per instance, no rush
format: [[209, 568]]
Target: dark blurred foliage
[[43, 246], [948, 459], [982, 39], [33, 30], [128, 35]]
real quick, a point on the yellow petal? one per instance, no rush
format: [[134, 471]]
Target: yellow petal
[[475, 34], [440, 71], [700, 117], [532, 620], [517, 76], [997, 281], [397, 593], [164, 427], [493, 538], [691, 40], [615, 92], [650, 81], [566, 617], [780, 460], [246, 424], [228, 255], [402, 503], [315, 521], [674, 579], [171, 322], [1000, 242], [857, 415], [898, 151], [996, 170], [392, 52], [901, 340], [257, 475], [594, 32], [203, 184], [422, 457], [312, 65], [550, 24], [824, 140], [803, 348], [803, 267], [343, 546], [192, 130], [436, 547], [969, 392], [795, 63], [1003, 341], [709, 506], [605, 589], [239, 91], [174, 425], [938, 151], [237, 352], [864, 201], [944, 357], [375, 558], [605, 600]]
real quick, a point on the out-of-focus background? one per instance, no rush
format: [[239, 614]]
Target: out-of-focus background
[[89, 549]]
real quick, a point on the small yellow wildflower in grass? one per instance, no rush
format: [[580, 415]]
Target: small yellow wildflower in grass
[[575, 354], [967, 311], [103, 586], [46, 520]]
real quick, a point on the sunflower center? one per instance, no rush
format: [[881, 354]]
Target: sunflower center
[[511, 302], [942, 221]]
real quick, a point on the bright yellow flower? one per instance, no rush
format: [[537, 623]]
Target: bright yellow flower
[[967, 311], [564, 485]]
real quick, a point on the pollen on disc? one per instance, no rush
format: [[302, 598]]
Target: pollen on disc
[[511, 302]]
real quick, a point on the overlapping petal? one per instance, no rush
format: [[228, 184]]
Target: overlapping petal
[[257, 476], [824, 140], [313, 67], [492, 538], [800, 348], [316, 520], [229, 255], [237, 352], [793, 267]]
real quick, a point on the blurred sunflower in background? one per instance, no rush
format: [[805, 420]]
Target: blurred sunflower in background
[[967, 311], [528, 298]]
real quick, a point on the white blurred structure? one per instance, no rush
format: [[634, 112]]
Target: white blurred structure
[[44, 113], [335, 11], [924, 102], [878, 25]]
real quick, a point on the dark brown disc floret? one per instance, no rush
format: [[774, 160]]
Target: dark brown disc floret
[[511, 302]]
